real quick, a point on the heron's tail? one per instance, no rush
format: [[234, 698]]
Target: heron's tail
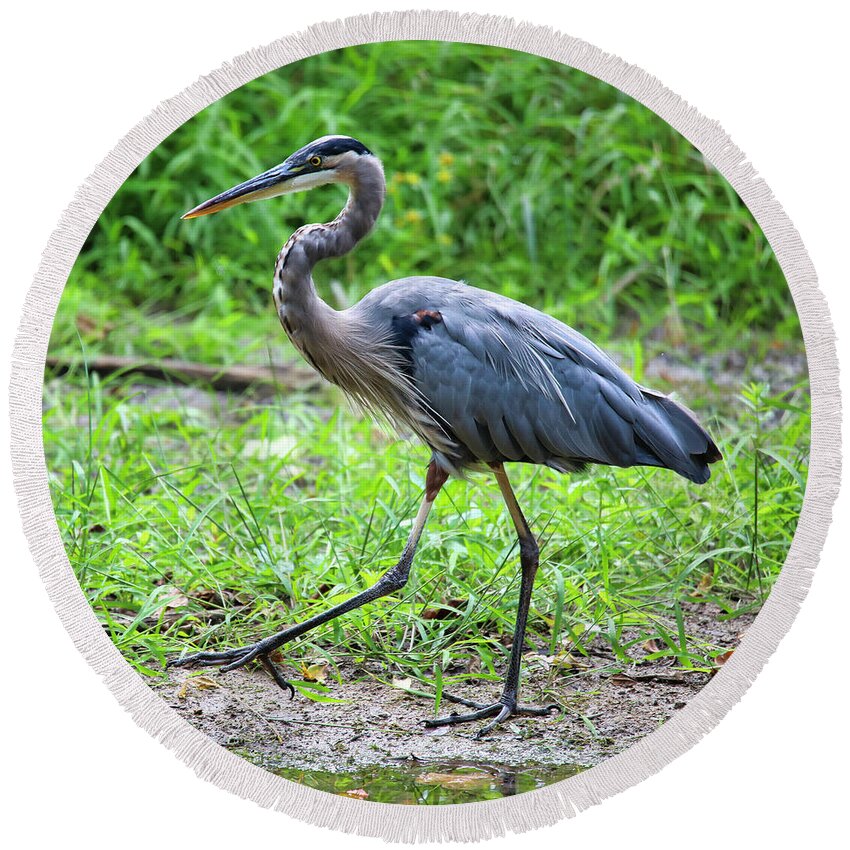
[[670, 436]]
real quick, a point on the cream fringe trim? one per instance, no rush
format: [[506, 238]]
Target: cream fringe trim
[[471, 821]]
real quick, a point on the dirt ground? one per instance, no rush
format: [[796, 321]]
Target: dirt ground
[[605, 708], [603, 712]]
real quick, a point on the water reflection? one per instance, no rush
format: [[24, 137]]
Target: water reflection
[[427, 783]]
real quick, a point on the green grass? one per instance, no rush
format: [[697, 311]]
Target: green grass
[[196, 526], [506, 170], [192, 528]]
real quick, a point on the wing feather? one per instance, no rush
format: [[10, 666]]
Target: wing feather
[[512, 383]]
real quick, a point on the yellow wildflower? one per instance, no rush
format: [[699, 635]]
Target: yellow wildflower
[[409, 177]]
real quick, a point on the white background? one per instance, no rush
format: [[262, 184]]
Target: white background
[[77, 77]]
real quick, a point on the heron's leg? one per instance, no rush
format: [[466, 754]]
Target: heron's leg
[[394, 579], [529, 558]]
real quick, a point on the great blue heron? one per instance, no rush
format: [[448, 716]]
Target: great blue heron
[[480, 378]]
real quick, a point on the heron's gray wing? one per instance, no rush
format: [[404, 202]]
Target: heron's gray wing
[[513, 383], [509, 396]]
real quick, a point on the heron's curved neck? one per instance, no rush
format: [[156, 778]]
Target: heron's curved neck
[[293, 289]]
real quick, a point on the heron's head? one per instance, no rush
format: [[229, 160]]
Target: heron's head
[[331, 159]]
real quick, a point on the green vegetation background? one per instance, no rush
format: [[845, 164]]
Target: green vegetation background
[[209, 520]]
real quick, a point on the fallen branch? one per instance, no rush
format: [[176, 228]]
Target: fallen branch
[[237, 377]]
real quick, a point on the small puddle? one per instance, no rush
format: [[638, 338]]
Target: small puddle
[[428, 783]]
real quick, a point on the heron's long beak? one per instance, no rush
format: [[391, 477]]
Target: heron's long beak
[[273, 182]]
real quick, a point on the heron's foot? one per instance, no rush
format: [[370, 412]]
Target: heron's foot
[[230, 659], [500, 711]]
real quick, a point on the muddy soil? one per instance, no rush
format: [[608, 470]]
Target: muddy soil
[[606, 707]]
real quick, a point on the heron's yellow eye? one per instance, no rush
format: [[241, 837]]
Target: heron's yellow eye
[[315, 161]]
